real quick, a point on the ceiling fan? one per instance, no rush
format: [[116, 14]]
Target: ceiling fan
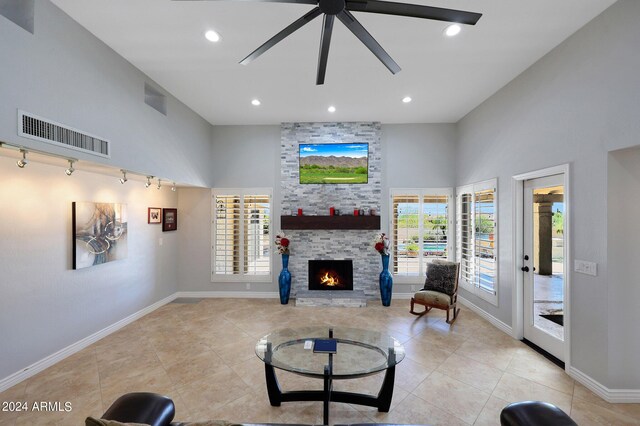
[[342, 10]]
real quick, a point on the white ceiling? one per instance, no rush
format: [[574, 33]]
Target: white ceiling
[[446, 77]]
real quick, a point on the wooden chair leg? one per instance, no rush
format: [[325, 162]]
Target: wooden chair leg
[[455, 314], [426, 308]]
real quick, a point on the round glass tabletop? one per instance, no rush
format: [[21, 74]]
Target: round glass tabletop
[[358, 353]]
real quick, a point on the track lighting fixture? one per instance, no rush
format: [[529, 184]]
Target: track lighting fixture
[[148, 184], [173, 187], [23, 162], [70, 169], [123, 179], [159, 184]]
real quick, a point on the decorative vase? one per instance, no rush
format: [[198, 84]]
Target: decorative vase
[[284, 280], [386, 282]]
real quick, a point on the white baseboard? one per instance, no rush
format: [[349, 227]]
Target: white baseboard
[[610, 395], [493, 320], [228, 294], [403, 296], [52, 359]]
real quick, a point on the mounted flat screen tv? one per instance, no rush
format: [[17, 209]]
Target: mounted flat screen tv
[[334, 163]]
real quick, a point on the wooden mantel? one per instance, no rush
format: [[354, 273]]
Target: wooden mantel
[[330, 222]]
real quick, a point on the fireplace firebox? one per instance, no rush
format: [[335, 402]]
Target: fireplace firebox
[[330, 275]]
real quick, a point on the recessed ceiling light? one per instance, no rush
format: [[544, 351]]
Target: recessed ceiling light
[[331, 109], [255, 102], [406, 99], [212, 36], [452, 30]]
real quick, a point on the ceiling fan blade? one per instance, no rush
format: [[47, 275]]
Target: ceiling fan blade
[[325, 41], [413, 10], [359, 31], [308, 17], [266, 1]]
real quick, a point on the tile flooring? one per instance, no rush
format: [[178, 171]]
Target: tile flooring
[[202, 356]]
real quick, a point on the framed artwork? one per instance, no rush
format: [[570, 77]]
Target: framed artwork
[[154, 215], [99, 233], [169, 219]]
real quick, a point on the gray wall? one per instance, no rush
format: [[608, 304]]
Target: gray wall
[[575, 104], [63, 73], [623, 252], [242, 157], [45, 305]]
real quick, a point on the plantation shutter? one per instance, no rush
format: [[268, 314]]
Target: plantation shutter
[[436, 226], [406, 223], [464, 237], [227, 234], [476, 237], [485, 226], [257, 243]]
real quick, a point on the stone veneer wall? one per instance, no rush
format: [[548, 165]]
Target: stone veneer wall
[[315, 199]]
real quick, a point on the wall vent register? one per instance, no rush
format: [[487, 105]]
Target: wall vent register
[[37, 128]]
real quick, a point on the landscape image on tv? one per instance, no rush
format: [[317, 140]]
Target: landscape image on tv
[[334, 163]]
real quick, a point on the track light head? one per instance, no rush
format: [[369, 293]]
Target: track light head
[[123, 179], [173, 187], [159, 184], [148, 184], [22, 162], [70, 169]]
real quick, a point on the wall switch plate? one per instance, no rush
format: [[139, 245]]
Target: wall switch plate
[[585, 267], [160, 241], [248, 286]]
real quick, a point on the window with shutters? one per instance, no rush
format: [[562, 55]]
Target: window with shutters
[[420, 230], [476, 238], [241, 235]]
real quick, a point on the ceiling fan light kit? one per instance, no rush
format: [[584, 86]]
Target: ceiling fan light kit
[[342, 10]]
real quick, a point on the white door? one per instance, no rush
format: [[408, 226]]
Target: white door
[[544, 263]]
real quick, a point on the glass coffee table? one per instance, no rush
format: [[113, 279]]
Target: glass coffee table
[[359, 353]]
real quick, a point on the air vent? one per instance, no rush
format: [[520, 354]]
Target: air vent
[[41, 129]]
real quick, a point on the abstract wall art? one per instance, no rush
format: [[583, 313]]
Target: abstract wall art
[[99, 233]]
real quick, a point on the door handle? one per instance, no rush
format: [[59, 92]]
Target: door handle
[[525, 269]]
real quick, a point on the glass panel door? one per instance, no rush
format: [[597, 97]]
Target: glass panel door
[[544, 263]]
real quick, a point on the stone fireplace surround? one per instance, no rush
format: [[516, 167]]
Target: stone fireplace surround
[[315, 199]]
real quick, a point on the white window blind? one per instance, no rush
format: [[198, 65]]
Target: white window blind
[[241, 235], [420, 226], [476, 237], [227, 234], [257, 243]]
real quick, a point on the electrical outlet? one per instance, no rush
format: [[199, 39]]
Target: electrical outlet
[[585, 267], [160, 241], [248, 286], [413, 288]]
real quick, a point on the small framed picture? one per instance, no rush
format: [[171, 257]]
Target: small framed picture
[[154, 215], [169, 219]]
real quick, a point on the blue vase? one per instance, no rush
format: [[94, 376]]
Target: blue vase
[[386, 282], [284, 280]]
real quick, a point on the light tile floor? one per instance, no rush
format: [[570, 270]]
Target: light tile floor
[[202, 356]]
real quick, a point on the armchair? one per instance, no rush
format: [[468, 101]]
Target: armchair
[[440, 289]]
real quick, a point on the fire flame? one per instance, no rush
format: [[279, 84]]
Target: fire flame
[[329, 281]]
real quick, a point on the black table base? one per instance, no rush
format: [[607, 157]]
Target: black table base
[[382, 402]]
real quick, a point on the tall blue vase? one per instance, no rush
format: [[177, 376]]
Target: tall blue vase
[[284, 280], [386, 282]]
